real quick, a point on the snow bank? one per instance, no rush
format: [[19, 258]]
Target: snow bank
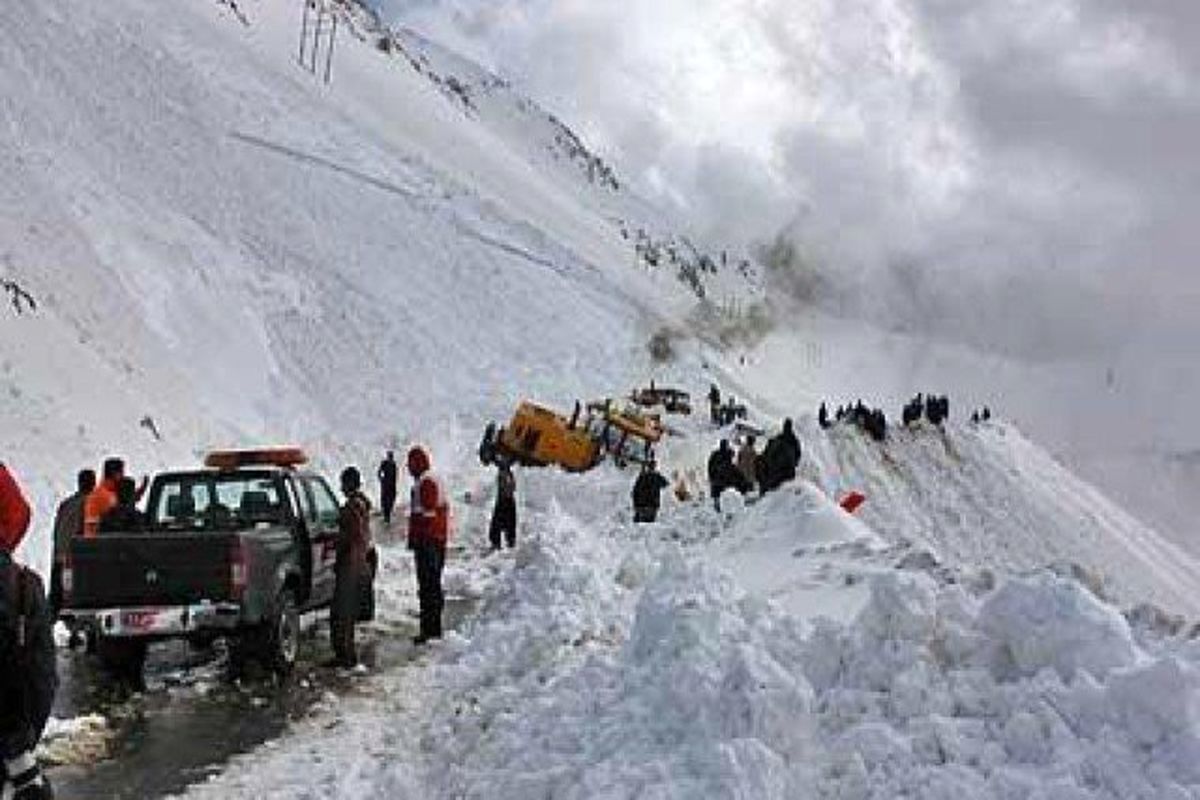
[[600, 672], [579, 691], [612, 660], [1035, 690]]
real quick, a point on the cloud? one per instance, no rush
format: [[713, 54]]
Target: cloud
[[934, 150]]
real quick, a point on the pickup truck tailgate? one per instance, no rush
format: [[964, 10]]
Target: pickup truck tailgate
[[150, 569]]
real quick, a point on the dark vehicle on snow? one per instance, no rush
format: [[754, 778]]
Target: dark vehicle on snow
[[238, 550], [673, 401]]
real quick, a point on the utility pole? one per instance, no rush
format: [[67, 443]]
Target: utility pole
[[318, 34]]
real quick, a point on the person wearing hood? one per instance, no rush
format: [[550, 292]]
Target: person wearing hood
[[28, 679], [428, 534], [350, 568]]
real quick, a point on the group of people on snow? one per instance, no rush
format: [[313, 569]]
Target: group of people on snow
[[934, 408], [724, 413], [748, 469], [982, 415], [870, 420]]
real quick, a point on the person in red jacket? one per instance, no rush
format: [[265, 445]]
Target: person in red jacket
[[28, 679], [428, 532]]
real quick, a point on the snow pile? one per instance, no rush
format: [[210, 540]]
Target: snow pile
[[791, 654], [1035, 690], [697, 702]]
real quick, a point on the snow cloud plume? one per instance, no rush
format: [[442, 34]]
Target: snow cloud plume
[[1036, 153]]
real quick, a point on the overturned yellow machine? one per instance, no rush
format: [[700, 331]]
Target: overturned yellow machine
[[540, 436]]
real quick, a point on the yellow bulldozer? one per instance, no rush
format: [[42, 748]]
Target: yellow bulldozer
[[539, 436]]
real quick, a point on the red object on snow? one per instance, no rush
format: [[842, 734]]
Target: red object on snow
[[14, 512], [851, 502]]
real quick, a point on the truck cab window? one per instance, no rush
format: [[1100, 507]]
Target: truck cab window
[[324, 502]]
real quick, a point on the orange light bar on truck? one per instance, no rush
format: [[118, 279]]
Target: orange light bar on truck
[[265, 457]]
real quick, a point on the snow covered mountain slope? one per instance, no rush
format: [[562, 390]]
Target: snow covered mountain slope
[[228, 250]]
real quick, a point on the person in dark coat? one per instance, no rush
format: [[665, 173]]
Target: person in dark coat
[[823, 416], [723, 473], [714, 404], [68, 524], [28, 679], [350, 568], [504, 513], [124, 517], [781, 458], [388, 475], [647, 493]]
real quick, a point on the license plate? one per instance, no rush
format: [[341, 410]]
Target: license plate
[[139, 620]]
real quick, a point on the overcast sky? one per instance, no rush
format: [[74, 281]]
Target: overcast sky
[[1039, 153]]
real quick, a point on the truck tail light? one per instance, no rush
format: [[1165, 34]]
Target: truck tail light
[[238, 572], [68, 578]]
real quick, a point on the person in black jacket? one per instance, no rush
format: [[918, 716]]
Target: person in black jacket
[[28, 679], [780, 458], [504, 513], [388, 474], [124, 517], [723, 473], [647, 493]]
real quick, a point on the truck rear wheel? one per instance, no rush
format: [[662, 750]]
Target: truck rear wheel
[[282, 640], [274, 643]]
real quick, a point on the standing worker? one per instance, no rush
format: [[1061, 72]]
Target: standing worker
[[350, 568], [428, 532], [714, 404], [27, 674], [504, 513], [781, 458], [68, 524], [647, 493], [723, 473], [104, 497], [388, 474]]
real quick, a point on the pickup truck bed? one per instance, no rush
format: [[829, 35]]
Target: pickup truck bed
[[151, 569]]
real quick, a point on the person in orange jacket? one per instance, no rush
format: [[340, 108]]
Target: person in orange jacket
[[428, 533], [104, 497]]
